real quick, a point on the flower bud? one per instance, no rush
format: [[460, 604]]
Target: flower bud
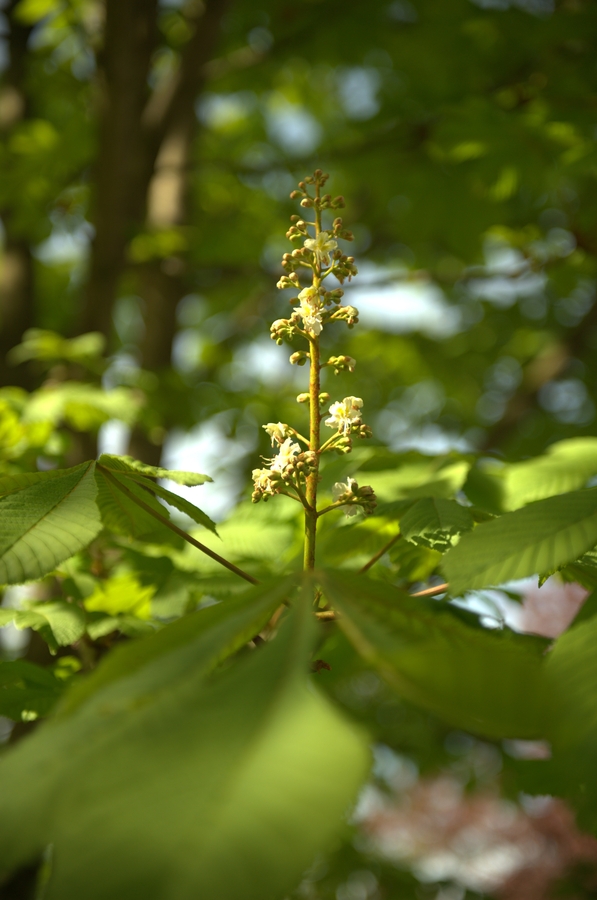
[[324, 397], [306, 202], [338, 203], [299, 358], [302, 398], [365, 431]]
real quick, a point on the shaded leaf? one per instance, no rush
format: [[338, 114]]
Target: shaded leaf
[[122, 515], [216, 788], [26, 690], [571, 717], [439, 657], [180, 503]]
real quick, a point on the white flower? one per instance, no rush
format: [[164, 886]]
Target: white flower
[[343, 490], [310, 310], [322, 245], [288, 451], [345, 413], [276, 431], [262, 479]]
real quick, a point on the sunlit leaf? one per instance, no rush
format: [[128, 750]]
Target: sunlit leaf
[[434, 522], [134, 466], [538, 538], [46, 521]]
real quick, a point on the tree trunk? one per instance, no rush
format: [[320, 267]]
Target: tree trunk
[[16, 272], [124, 162]]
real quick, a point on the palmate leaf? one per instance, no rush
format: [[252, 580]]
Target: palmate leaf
[[538, 538], [167, 785], [47, 520], [439, 657], [434, 522]]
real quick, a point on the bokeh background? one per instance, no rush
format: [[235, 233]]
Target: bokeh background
[[147, 151]]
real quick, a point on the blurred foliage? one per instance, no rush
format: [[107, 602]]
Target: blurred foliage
[[463, 134]]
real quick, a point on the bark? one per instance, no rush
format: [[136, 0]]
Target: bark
[[171, 120], [123, 164], [16, 272]]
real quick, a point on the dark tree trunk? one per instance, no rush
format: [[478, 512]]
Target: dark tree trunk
[[16, 277]]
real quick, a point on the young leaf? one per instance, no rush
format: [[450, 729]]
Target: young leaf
[[46, 521], [216, 788], [134, 467], [538, 538], [121, 594], [434, 522], [27, 691], [440, 658]]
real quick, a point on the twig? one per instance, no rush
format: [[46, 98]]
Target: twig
[[379, 554], [438, 589]]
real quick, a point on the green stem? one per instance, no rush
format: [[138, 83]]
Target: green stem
[[313, 478], [314, 417], [380, 553]]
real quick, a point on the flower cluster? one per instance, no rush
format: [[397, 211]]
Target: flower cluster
[[288, 469], [351, 496], [294, 470]]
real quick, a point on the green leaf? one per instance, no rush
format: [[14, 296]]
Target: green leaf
[[84, 406], [434, 522], [180, 503], [49, 346], [583, 570], [59, 623], [538, 538], [122, 515], [134, 467], [418, 476], [121, 594], [566, 466], [439, 657], [571, 717], [173, 786], [46, 522], [27, 691]]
